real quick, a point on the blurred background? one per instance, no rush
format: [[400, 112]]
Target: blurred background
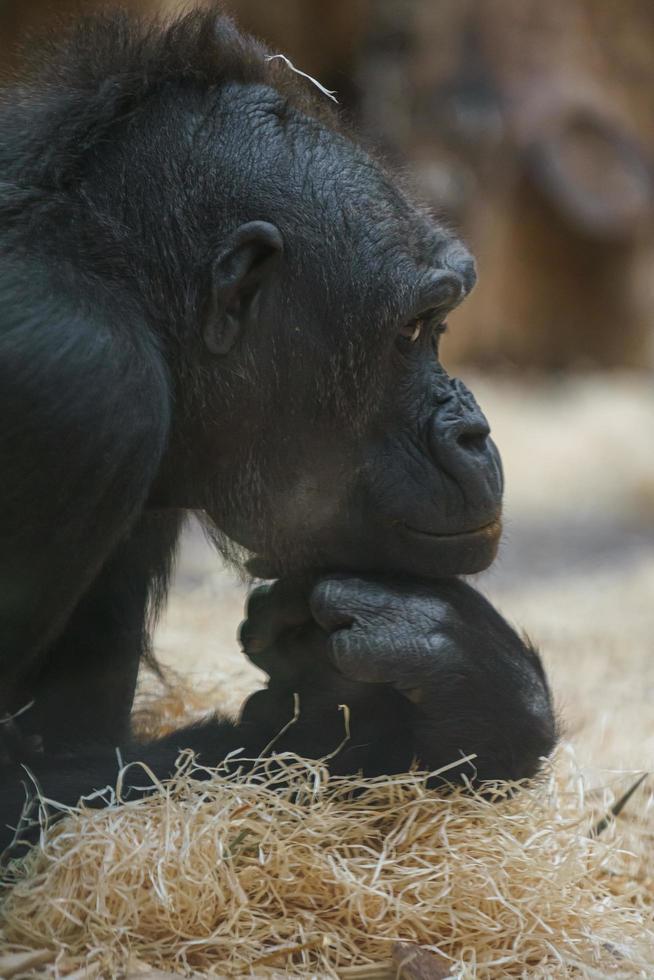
[[529, 127]]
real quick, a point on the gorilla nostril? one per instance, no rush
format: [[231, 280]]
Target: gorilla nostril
[[473, 438]]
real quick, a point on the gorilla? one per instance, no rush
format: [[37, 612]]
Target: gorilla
[[214, 300]]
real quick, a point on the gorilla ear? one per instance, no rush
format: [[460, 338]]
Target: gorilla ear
[[245, 262]]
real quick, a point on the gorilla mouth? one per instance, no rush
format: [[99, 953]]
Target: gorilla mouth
[[491, 530]]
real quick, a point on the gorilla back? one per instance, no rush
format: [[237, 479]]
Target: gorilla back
[[211, 299]]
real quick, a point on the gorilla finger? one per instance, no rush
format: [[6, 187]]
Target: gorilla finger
[[270, 712], [297, 654], [270, 661], [379, 657], [272, 609], [356, 658], [340, 600], [289, 597]]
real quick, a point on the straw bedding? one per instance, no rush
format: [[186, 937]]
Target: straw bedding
[[244, 876]]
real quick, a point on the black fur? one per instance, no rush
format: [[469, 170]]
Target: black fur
[[210, 298]]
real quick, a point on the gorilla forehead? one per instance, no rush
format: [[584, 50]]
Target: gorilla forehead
[[317, 184]]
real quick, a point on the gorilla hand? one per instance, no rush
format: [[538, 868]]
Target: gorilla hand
[[281, 636], [429, 670]]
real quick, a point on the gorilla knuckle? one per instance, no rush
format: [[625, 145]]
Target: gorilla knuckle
[[327, 600], [258, 601], [248, 638]]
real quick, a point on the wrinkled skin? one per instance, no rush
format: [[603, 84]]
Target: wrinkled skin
[[213, 300]]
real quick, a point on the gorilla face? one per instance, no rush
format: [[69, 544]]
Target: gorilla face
[[340, 439], [300, 296]]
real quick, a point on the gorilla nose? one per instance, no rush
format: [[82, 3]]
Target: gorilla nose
[[458, 260], [460, 444], [473, 435]]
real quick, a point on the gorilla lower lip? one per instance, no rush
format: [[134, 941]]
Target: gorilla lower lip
[[491, 529]]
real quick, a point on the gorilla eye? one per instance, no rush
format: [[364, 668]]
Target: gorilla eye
[[411, 332]]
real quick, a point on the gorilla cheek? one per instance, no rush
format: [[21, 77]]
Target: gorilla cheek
[[411, 514], [306, 524], [309, 509]]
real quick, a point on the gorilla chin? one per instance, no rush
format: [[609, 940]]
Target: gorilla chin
[[397, 548]]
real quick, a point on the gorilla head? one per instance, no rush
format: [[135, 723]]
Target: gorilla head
[[296, 297], [337, 437]]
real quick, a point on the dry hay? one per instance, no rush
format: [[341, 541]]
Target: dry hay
[[242, 876]]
